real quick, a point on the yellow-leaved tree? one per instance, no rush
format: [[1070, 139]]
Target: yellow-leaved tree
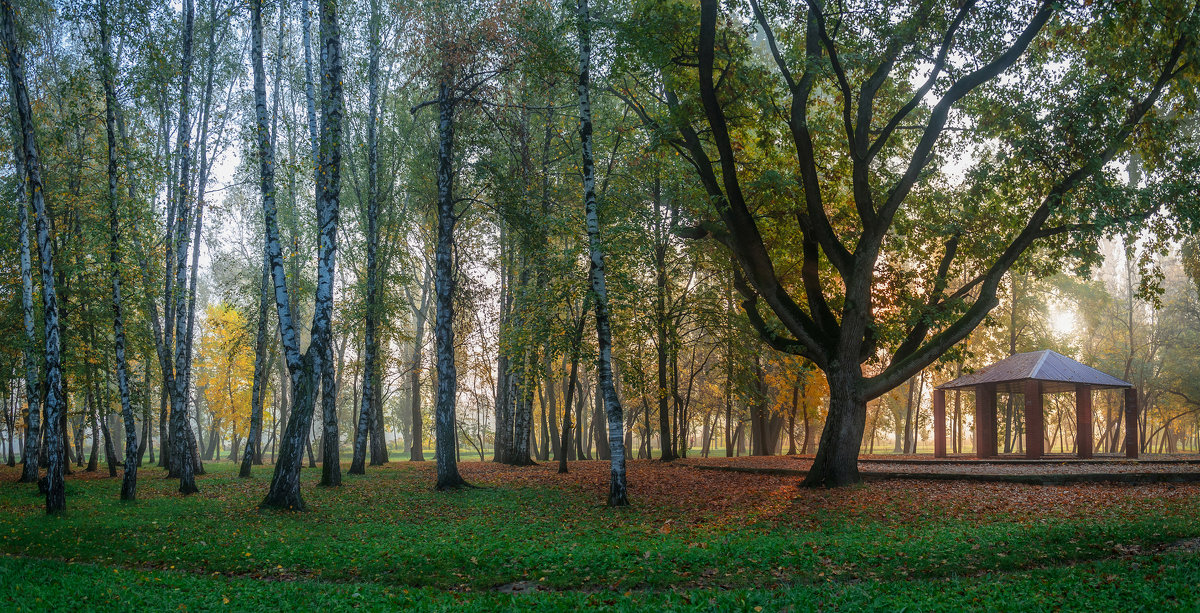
[[800, 394], [225, 372]]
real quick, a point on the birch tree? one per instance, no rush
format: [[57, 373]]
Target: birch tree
[[181, 464], [107, 70], [370, 340], [306, 371], [33, 409], [617, 495], [55, 398]]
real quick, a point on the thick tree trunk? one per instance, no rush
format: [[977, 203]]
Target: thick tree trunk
[[836, 463], [445, 450], [519, 454], [181, 463], [331, 461], [617, 495], [378, 440], [328, 201], [305, 371]]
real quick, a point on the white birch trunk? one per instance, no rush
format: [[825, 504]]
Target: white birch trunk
[[55, 398], [612, 406], [129, 481], [33, 410]]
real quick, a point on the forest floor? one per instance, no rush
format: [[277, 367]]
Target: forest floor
[[528, 538]]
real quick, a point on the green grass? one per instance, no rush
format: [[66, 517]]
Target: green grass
[[387, 541]]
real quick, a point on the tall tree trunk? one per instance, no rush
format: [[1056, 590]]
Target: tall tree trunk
[[305, 370], [617, 495], [253, 452], [182, 459], [370, 342], [759, 442], [416, 448], [378, 440], [551, 424], [572, 381], [55, 397], [445, 450], [543, 441], [660, 324], [129, 483], [147, 427], [328, 192], [807, 431], [90, 406], [254, 437], [502, 439], [792, 420], [310, 96], [33, 396]]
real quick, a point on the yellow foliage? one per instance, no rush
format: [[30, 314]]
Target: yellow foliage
[[225, 368], [790, 372]]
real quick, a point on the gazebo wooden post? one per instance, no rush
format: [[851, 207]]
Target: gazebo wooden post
[[1034, 427], [985, 420], [1083, 420], [939, 423], [1132, 442]]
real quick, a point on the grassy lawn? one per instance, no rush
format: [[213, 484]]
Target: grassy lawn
[[693, 540]]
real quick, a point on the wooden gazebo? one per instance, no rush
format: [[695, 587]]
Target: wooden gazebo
[[1033, 374]]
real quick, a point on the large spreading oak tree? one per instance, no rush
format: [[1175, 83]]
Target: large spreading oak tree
[[907, 155]]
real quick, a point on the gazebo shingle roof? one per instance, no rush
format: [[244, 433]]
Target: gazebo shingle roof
[[1057, 372]]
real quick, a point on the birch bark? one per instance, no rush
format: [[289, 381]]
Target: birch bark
[[617, 495], [55, 398]]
